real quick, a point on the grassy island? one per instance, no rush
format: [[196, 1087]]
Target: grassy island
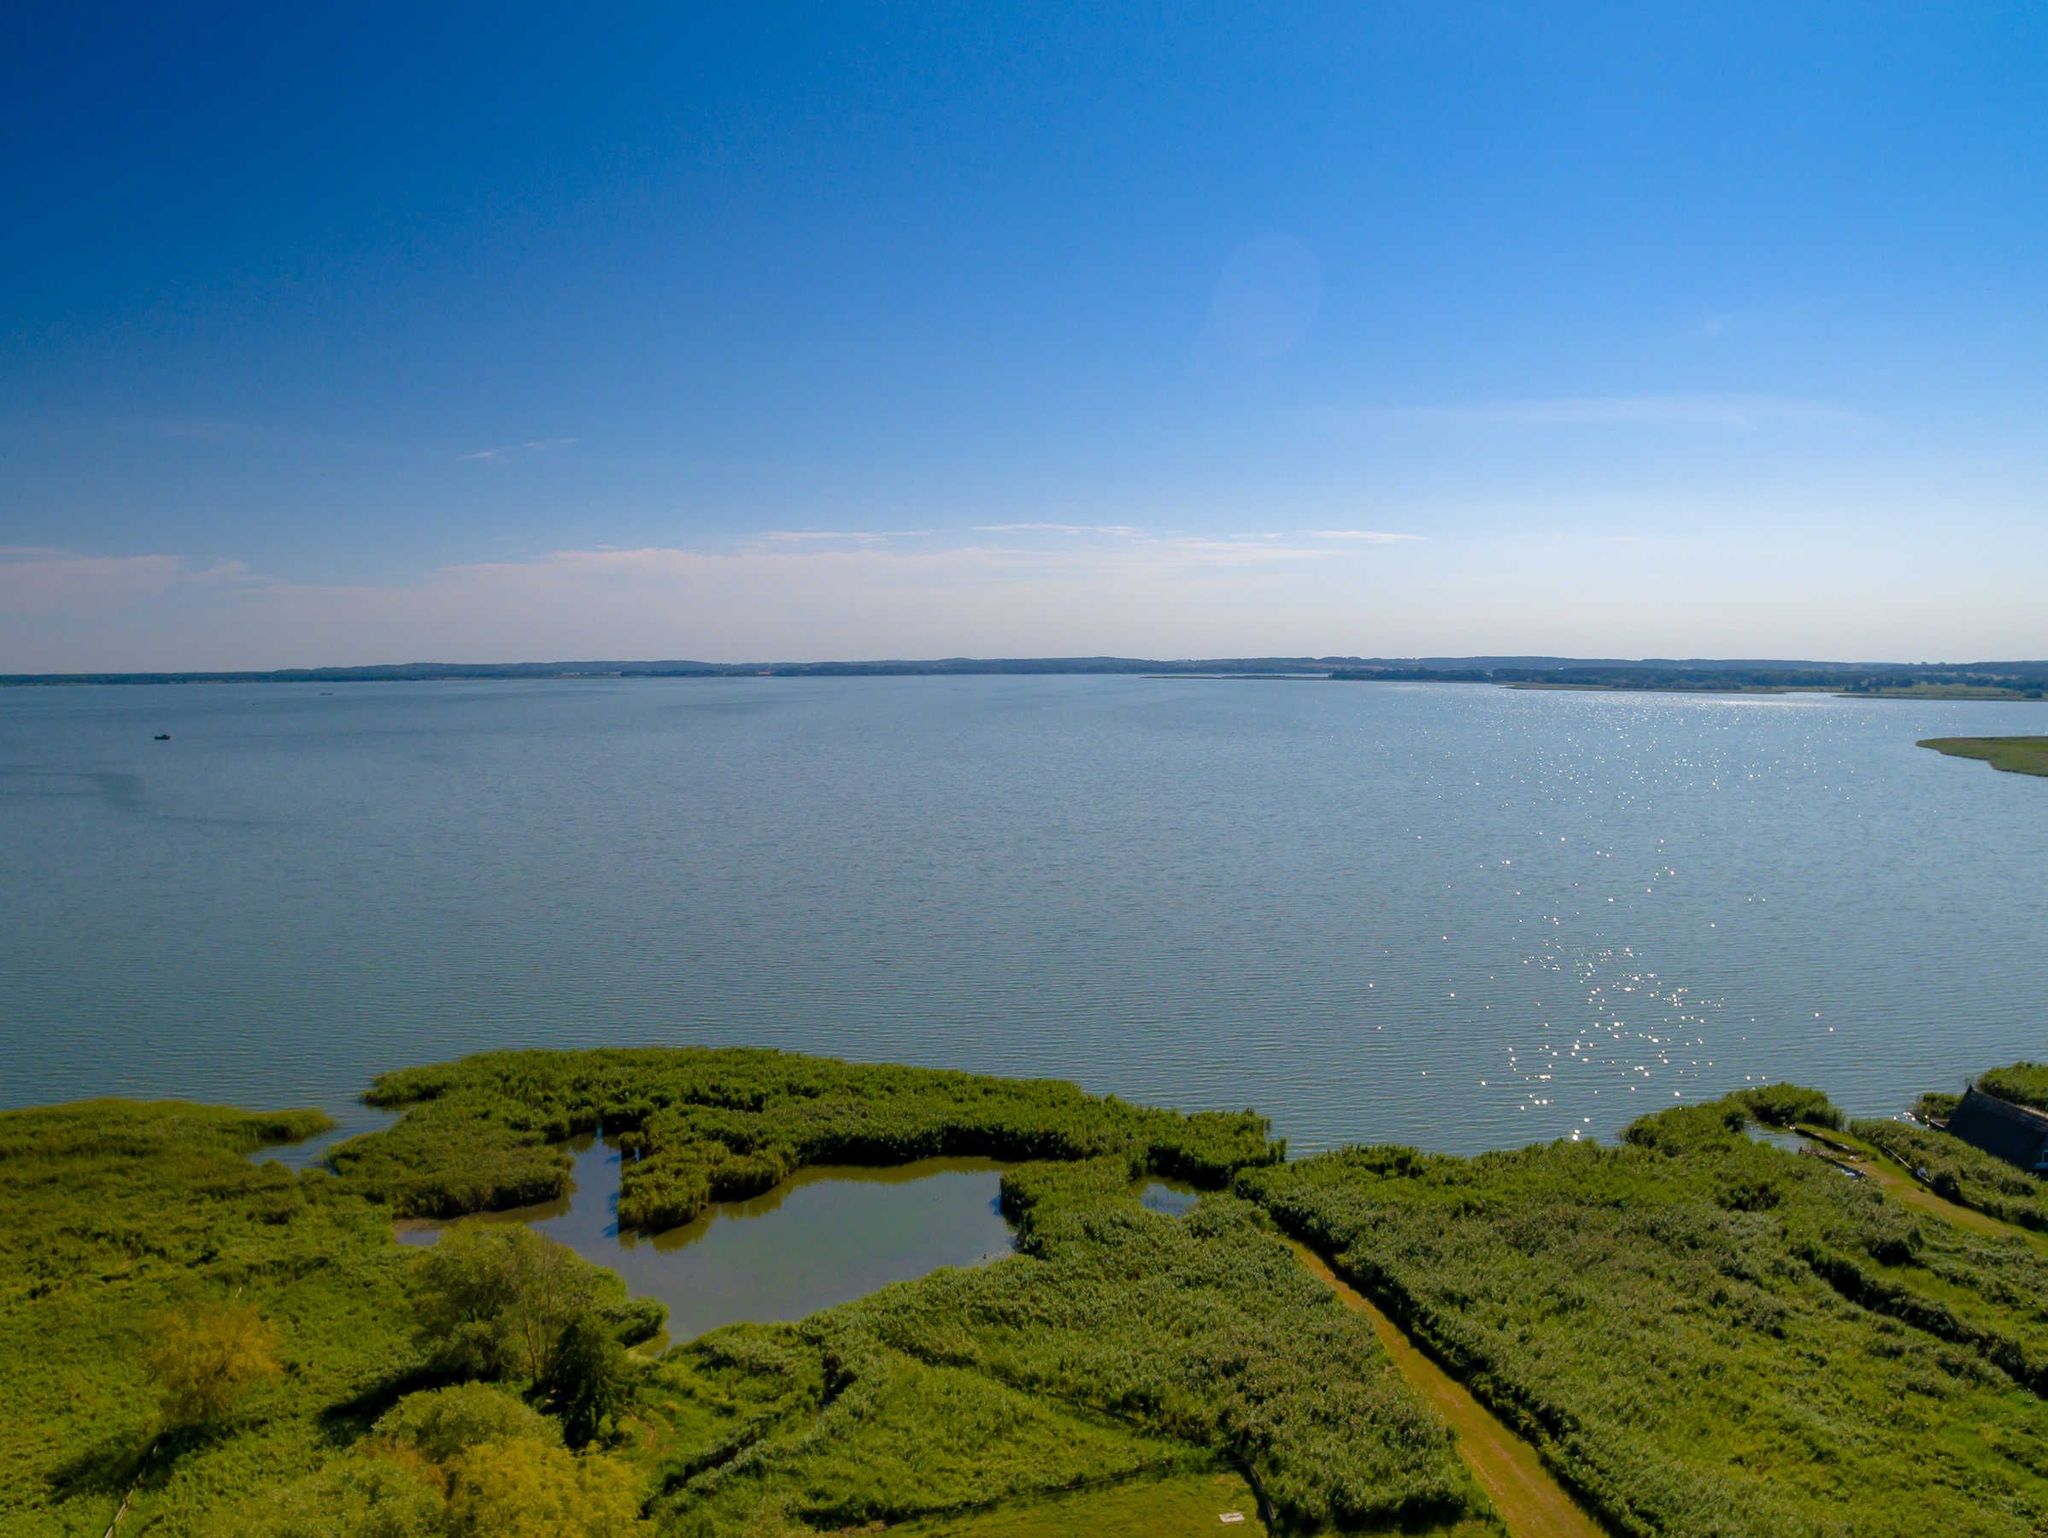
[[1698, 1334], [2015, 755]]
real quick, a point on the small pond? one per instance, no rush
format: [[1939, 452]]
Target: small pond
[[1777, 1137], [829, 1234], [1175, 1198]]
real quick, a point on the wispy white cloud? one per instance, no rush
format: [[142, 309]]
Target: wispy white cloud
[[1362, 536], [1109, 530], [822, 593], [1166, 595], [841, 536], [518, 450], [39, 580], [1739, 412]]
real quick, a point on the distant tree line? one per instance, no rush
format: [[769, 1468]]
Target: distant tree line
[[2023, 679], [2028, 679]]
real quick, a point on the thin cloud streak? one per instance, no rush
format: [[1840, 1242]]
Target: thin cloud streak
[[38, 580], [1179, 596], [1109, 530], [841, 536], [517, 450]]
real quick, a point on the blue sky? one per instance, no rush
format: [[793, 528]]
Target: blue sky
[[382, 333]]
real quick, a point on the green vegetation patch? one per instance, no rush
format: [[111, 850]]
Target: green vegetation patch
[[208, 1345], [1176, 1506], [1120, 1344], [2021, 1083], [704, 1125], [2015, 755], [1708, 1336], [141, 1234], [1963, 1173]]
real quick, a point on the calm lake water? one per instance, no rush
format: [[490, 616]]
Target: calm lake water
[[1451, 915]]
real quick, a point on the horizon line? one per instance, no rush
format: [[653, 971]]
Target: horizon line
[[419, 670]]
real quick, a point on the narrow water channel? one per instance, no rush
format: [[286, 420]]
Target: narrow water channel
[[829, 1234]]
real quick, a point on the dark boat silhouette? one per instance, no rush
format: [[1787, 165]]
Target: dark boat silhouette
[[163, 736]]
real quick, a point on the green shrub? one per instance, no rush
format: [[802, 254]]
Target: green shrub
[[2021, 1083], [439, 1423], [493, 1300]]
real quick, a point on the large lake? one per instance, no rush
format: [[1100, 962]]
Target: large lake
[[1457, 916]]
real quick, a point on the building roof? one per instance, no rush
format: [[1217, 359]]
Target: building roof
[[2013, 1133]]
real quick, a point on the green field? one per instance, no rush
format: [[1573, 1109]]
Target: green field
[[1703, 1336], [2015, 755], [1706, 1335], [1122, 1352]]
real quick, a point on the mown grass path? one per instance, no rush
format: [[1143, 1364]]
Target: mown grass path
[[1899, 1184], [1529, 1500]]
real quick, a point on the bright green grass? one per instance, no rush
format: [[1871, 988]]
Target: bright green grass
[[1963, 1173], [2021, 1083], [115, 1212], [1122, 1349], [1177, 1506], [2016, 755], [1707, 1336], [704, 1125]]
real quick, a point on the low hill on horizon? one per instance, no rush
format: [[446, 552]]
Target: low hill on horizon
[[2015, 677]]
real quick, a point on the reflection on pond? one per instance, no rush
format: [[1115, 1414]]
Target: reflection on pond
[[1175, 1198], [829, 1234], [1777, 1137]]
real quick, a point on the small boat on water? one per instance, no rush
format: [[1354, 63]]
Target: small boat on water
[[163, 736]]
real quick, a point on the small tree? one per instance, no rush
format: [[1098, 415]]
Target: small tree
[[492, 1300], [588, 1381], [207, 1356]]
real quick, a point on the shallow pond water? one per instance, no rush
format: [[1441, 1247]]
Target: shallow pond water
[[1777, 1137], [1175, 1198], [311, 1152], [829, 1234]]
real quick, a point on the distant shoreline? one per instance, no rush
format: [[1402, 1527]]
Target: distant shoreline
[[2018, 680]]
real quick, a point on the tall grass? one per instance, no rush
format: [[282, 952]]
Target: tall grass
[[1122, 1345], [1707, 1336], [705, 1125]]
